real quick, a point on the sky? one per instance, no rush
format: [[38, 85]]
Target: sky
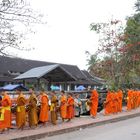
[[66, 36]]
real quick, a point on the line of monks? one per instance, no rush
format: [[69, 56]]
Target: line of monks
[[65, 105], [113, 103], [133, 99], [23, 106]]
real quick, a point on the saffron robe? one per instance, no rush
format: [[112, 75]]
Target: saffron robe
[[5, 112], [94, 103], [108, 103], [20, 111], [63, 107], [129, 100], [120, 98], [32, 113], [70, 108], [114, 102], [44, 109], [53, 109]]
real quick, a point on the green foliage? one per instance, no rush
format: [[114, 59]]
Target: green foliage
[[109, 40], [120, 46], [137, 6], [132, 29], [97, 27], [132, 54]]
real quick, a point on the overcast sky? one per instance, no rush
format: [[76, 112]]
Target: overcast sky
[[66, 36]]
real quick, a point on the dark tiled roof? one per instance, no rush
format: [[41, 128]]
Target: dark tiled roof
[[93, 79], [56, 72], [10, 64], [18, 64], [6, 78], [87, 74], [23, 65]]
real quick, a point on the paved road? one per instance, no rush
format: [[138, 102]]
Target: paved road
[[124, 130]]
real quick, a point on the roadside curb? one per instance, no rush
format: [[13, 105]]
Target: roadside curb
[[83, 126]]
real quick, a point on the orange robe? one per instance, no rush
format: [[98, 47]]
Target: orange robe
[[115, 103], [32, 113], [129, 100], [70, 108], [108, 103], [120, 98], [53, 109], [20, 111], [5, 119], [94, 103], [135, 99], [44, 110], [63, 107], [138, 92]]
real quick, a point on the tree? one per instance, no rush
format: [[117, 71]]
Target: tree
[[120, 50], [132, 44], [137, 6], [109, 44], [15, 14]]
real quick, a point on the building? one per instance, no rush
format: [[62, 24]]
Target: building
[[12, 67]]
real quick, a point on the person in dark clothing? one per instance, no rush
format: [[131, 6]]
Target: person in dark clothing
[[0, 100]]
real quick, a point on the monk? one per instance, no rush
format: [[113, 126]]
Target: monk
[[120, 98], [94, 103], [135, 99], [115, 103], [129, 100], [44, 109], [70, 107], [138, 103], [20, 111], [5, 117], [108, 103], [63, 106], [32, 112], [53, 108]]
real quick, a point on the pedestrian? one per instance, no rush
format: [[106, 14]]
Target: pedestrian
[[5, 112], [87, 105], [44, 107], [129, 100], [53, 108], [77, 105], [0, 100], [108, 103], [94, 103], [138, 92], [120, 99], [63, 105], [20, 110], [70, 107], [114, 102], [32, 109]]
